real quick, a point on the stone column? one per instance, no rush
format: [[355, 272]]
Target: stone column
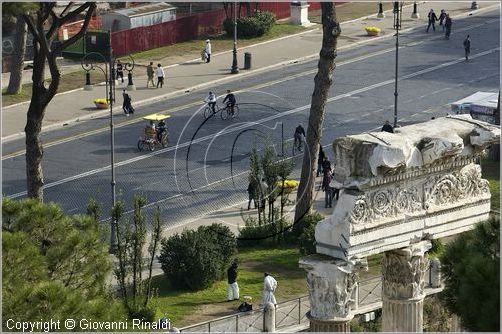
[[332, 289], [403, 272]]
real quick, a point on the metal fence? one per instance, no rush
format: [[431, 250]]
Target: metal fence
[[289, 313]]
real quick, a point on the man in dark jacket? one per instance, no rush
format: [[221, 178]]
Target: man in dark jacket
[[320, 160], [387, 127], [233, 287], [432, 20], [253, 193], [230, 100], [467, 47], [447, 25]]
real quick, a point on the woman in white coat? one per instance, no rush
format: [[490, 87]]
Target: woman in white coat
[[207, 50], [270, 285]]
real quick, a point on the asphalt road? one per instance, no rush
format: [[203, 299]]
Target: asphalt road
[[204, 167]]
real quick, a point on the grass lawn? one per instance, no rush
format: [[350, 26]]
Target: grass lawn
[[185, 308], [176, 53], [491, 172]]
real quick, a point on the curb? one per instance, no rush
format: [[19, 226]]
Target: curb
[[232, 78]]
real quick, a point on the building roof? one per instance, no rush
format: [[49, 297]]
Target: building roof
[[144, 9]]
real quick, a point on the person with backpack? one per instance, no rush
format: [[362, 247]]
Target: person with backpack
[[447, 25], [432, 20], [467, 47]]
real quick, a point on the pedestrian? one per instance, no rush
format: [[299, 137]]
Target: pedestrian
[[442, 17], [432, 20], [328, 194], [160, 76], [447, 25], [320, 159], [233, 287], [126, 104], [252, 193], [207, 50], [387, 127], [120, 71], [335, 187], [270, 285], [467, 47], [150, 73], [263, 188], [326, 165]]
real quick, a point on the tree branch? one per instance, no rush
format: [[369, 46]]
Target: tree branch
[[67, 8], [72, 15], [74, 38]]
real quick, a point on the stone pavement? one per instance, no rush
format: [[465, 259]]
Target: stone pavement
[[74, 106]]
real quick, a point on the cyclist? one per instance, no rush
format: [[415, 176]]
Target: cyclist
[[299, 135], [211, 101], [161, 128], [231, 101]]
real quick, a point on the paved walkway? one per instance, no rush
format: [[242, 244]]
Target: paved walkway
[[74, 106]]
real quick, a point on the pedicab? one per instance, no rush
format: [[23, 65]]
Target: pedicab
[[154, 134]]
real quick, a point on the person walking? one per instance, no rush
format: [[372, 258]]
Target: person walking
[[442, 17], [447, 25], [387, 127], [120, 71], [160, 76], [207, 50], [150, 73], [320, 159], [269, 287], [126, 104], [467, 47], [432, 20], [233, 287], [326, 165], [328, 194], [252, 193]]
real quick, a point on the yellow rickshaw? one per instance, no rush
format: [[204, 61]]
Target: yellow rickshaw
[[154, 134]]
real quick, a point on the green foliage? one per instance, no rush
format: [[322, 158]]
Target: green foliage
[[195, 259], [470, 267], [54, 266], [437, 248], [271, 233], [250, 26], [308, 222], [71, 246], [436, 316]]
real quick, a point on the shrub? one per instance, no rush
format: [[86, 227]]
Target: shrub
[[250, 26], [268, 233], [195, 259]]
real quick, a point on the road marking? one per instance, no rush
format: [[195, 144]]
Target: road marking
[[249, 124]]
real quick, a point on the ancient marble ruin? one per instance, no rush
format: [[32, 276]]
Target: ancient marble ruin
[[400, 190]]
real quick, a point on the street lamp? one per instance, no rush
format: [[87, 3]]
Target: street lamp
[[235, 68], [398, 11], [89, 63]]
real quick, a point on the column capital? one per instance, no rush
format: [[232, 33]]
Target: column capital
[[403, 272], [331, 283]]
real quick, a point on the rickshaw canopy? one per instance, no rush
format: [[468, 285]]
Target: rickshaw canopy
[[156, 117]]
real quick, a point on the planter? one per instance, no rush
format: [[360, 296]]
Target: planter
[[372, 33], [101, 103]]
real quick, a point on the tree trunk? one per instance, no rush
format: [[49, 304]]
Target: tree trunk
[[16, 70], [322, 84]]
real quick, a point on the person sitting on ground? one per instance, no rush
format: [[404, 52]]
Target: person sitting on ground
[[211, 101], [231, 101], [387, 127]]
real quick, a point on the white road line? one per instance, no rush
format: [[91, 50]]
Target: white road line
[[264, 120]]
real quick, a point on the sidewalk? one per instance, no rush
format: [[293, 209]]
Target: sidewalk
[[75, 106]]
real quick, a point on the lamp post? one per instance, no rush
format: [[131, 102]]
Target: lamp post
[[398, 11], [235, 68], [89, 64]]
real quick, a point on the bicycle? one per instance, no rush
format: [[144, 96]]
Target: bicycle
[[226, 112], [208, 111]]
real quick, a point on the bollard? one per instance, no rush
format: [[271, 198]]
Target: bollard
[[380, 10], [415, 14], [269, 318], [130, 85], [474, 5]]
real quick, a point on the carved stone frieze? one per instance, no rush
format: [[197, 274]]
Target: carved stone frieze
[[403, 272]]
